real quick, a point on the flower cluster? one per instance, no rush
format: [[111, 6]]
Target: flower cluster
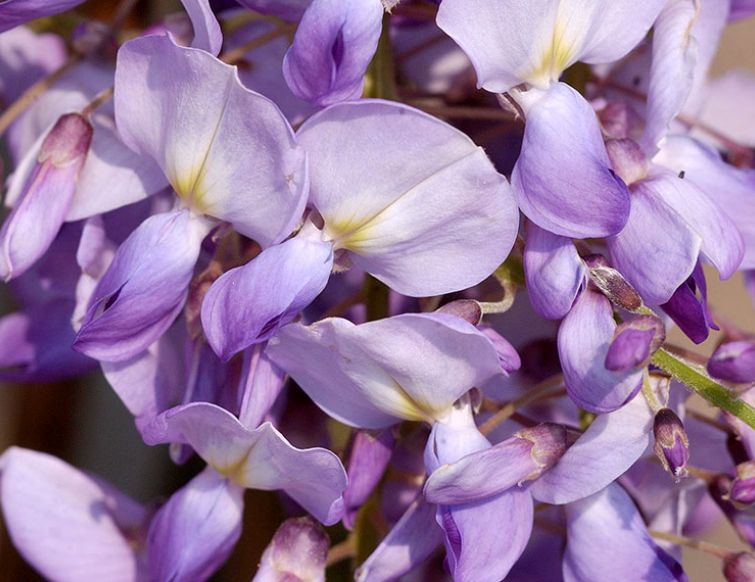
[[356, 201]]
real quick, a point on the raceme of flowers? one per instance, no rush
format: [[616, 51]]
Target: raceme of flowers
[[462, 229]]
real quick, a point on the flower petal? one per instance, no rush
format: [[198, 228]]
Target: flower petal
[[611, 514], [731, 189], [583, 342], [672, 71], [257, 459], [553, 271], [196, 530], [416, 202], [15, 12], [610, 445], [311, 356], [298, 551], [409, 543], [722, 244], [196, 122], [563, 178], [657, 249], [535, 42], [332, 48], [68, 525], [248, 304], [207, 33], [143, 289]]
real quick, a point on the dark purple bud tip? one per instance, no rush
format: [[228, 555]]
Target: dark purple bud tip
[[298, 551], [734, 362], [549, 443], [627, 159], [634, 342], [67, 142], [613, 285], [671, 443], [740, 567], [467, 309], [742, 493]]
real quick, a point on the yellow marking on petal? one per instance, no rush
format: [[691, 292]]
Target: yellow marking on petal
[[554, 60]]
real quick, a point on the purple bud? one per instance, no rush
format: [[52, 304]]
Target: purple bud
[[298, 551], [549, 443], [466, 309], [370, 454], [743, 521], [734, 361], [627, 159], [740, 567], [742, 493], [671, 443], [46, 195], [688, 307], [613, 285], [634, 342]]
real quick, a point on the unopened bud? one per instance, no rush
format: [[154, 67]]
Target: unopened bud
[[734, 361], [298, 551], [41, 199], [671, 442], [466, 309], [740, 567], [633, 343], [613, 285], [68, 141], [627, 159], [742, 493], [549, 443]]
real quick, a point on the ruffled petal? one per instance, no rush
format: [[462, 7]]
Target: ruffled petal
[[257, 459]]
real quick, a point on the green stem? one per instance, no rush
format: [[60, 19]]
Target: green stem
[[376, 298], [697, 380], [382, 71]]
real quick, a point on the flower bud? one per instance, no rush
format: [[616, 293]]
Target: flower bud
[[298, 551], [45, 195], [466, 309], [740, 567], [612, 284], [742, 493], [671, 443], [734, 361], [633, 343]]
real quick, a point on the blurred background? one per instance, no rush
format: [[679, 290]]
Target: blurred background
[[84, 423]]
